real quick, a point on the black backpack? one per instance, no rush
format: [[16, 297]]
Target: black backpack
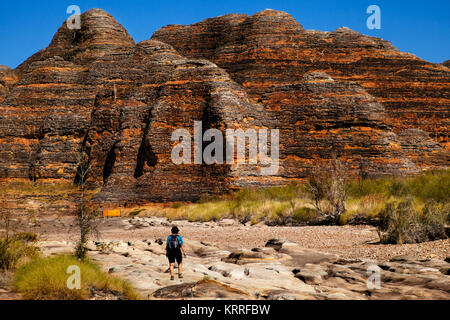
[[174, 243]]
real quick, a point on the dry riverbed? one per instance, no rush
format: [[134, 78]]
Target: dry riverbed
[[233, 261], [346, 241]]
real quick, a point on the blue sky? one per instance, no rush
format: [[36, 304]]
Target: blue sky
[[418, 27]]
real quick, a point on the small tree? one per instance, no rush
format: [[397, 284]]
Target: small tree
[[86, 214], [327, 183]]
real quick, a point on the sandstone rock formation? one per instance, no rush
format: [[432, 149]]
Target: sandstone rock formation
[[96, 90], [6, 79], [270, 49]]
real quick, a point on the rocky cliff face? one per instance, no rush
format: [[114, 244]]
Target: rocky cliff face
[[95, 90], [270, 49], [7, 78]]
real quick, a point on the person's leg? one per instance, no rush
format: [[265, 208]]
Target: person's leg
[[179, 258], [180, 269]]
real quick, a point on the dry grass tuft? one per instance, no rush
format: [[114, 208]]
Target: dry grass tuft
[[46, 279]]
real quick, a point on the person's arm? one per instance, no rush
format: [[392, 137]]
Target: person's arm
[[182, 245]]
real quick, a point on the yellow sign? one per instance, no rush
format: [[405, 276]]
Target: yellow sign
[[111, 213]]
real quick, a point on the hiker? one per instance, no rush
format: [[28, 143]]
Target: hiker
[[174, 246]]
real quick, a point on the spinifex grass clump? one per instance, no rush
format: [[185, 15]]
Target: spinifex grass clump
[[14, 246], [46, 279], [12, 251]]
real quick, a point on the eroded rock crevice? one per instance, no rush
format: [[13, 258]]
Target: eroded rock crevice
[[109, 162]]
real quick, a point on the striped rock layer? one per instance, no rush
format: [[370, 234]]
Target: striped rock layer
[[96, 90]]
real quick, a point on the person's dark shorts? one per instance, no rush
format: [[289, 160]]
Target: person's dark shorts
[[175, 255]]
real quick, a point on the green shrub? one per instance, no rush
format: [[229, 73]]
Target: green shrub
[[12, 251], [402, 222], [435, 216], [46, 279]]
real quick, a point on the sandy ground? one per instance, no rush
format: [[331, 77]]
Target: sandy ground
[[347, 241]]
